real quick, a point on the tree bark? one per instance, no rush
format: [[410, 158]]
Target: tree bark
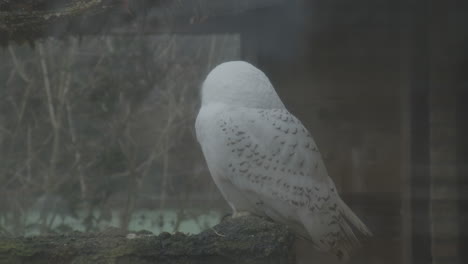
[[240, 240]]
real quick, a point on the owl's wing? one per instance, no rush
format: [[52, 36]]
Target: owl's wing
[[270, 157]]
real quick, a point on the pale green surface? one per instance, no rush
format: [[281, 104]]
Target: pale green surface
[[150, 220]]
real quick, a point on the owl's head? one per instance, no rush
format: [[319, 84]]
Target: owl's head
[[238, 83]]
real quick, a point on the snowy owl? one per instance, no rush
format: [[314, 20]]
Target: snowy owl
[[265, 162]]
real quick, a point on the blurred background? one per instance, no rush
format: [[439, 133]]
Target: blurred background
[[98, 104]]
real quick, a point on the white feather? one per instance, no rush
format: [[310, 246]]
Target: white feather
[[264, 161]]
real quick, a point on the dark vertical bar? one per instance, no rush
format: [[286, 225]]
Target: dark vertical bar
[[405, 17], [462, 160], [420, 129]]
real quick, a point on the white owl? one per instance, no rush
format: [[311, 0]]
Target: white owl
[[265, 162]]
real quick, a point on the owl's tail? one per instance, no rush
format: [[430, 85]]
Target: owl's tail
[[353, 219], [350, 222]]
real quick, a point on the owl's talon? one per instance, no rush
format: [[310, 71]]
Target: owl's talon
[[225, 217], [241, 214]]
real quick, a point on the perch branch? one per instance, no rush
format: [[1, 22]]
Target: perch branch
[[245, 240]]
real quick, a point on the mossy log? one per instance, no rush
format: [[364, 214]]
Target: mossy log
[[25, 21], [241, 240]]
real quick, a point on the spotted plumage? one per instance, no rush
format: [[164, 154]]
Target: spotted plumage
[[264, 161]]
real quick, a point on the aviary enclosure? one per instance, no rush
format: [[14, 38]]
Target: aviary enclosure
[[98, 101]]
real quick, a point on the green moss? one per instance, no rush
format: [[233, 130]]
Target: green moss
[[16, 248], [118, 252]]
